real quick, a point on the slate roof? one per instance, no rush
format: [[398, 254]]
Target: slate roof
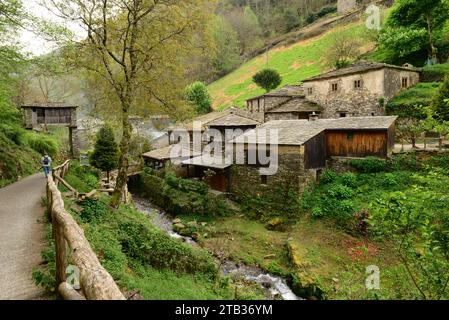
[[233, 120], [163, 154], [49, 105], [286, 91], [213, 116], [296, 105], [209, 161], [358, 67], [298, 132]]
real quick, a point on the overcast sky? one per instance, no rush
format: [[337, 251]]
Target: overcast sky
[[30, 41]]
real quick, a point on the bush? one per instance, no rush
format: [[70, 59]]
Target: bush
[[328, 177], [340, 192], [93, 210], [349, 179], [325, 11], [435, 73], [151, 247], [369, 165]]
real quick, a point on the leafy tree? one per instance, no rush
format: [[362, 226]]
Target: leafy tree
[[440, 104], [420, 237], [415, 26], [197, 94], [226, 45], [134, 47], [268, 79], [106, 154], [248, 29], [344, 49], [409, 130]]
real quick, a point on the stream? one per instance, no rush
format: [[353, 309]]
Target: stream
[[275, 286]]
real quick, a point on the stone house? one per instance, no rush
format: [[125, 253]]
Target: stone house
[[362, 89], [286, 103], [303, 148]]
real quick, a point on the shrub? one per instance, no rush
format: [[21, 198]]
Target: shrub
[[328, 176], [94, 210], [317, 212], [435, 73], [152, 247], [325, 11], [349, 179], [340, 192], [369, 165]]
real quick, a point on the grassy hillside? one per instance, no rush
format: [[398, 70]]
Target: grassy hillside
[[20, 150], [295, 63]]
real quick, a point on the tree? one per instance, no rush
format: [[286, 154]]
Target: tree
[[226, 46], [409, 130], [440, 104], [247, 26], [268, 79], [106, 154], [132, 45], [415, 25], [343, 51], [197, 94]]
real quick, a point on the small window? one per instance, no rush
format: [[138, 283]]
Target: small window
[[373, 114], [357, 84], [264, 180], [404, 82], [334, 87], [350, 135], [343, 114], [309, 91]]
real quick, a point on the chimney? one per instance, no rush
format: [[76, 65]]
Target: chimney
[[313, 117]]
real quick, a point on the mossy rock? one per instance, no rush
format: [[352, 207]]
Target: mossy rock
[[276, 224], [178, 227], [305, 286], [294, 255]]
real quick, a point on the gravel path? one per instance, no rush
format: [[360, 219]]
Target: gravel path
[[21, 238]]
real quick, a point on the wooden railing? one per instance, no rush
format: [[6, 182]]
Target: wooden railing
[[73, 249]]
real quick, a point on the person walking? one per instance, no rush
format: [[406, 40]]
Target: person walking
[[46, 164]]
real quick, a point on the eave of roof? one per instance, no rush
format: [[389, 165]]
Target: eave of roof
[[360, 67]]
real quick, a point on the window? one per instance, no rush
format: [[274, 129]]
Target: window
[[350, 135], [334, 87], [343, 114], [264, 180], [357, 84], [309, 91], [404, 82]]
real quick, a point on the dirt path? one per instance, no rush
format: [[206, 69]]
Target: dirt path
[[21, 238]]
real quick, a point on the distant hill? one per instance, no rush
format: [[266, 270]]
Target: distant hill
[[296, 62]]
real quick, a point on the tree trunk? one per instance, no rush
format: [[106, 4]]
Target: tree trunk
[[122, 178], [432, 49]]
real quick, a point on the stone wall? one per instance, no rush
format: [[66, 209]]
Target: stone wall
[[361, 103], [247, 178]]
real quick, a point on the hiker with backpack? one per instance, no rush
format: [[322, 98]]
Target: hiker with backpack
[[46, 163]]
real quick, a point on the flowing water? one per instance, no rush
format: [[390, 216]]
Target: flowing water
[[275, 286]]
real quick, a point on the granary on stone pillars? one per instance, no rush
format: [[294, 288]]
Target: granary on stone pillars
[[40, 116]]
